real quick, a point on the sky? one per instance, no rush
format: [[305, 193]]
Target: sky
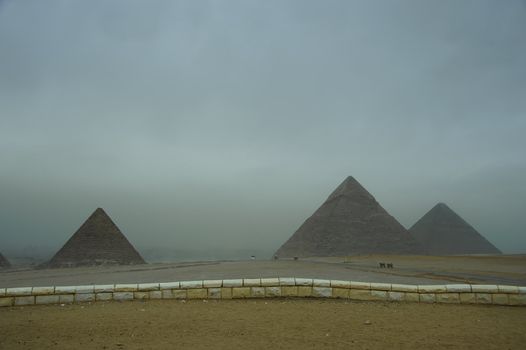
[[203, 125]]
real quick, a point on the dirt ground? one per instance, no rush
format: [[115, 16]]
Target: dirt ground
[[262, 324]]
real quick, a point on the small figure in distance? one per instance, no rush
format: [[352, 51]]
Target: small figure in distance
[[390, 265], [295, 258], [252, 257], [382, 265]]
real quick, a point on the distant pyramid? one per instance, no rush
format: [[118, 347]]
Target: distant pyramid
[[350, 222], [4, 262], [97, 242], [442, 232]]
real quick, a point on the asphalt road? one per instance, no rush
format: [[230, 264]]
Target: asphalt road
[[408, 270]]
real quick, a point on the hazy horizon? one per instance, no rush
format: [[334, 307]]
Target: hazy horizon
[[225, 124]]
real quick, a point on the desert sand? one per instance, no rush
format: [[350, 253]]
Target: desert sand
[[262, 324]]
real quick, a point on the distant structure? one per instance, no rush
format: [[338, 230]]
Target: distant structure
[[4, 263], [350, 222], [442, 232], [97, 242]]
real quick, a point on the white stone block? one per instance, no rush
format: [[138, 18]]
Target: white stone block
[[121, 296], [273, 292], [156, 294], [360, 285], [214, 293], [43, 290], [483, 298], [66, 298], [103, 288], [179, 293], [380, 286], [257, 292], [508, 289], [404, 287], [2, 292], [448, 297], [146, 287], [104, 296], [484, 288], [458, 288], [517, 299], [167, 294], [396, 296], [84, 289], [287, 281], [378, 294], [65, 289], [340, 284], [270, 281], [233, 283], [251, 282], [322, 292], [522, 290], [84, 297], [321, 283], [47, 299], [427, 298], [6, 301], [191, 284], [27, 300], [18, 291], [212, 283], [432, 288], [125, 287], [169, 285], [303, 281]]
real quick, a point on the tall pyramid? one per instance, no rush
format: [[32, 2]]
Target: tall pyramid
[[442, 232], [4, 262], [349, 222], [97, 242]]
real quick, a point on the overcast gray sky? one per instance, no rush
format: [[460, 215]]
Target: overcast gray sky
[[202, 124]]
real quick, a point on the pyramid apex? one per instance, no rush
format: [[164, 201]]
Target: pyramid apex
[[349, 186], [443, 207], [100, 211]]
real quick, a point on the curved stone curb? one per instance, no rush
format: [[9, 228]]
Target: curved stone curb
[[268, 288]]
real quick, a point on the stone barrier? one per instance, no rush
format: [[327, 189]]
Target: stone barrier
[[282, 287]]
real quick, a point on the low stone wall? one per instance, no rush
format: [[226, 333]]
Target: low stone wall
[[267, 288]]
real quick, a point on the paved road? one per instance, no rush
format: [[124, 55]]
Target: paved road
[[360, 270]]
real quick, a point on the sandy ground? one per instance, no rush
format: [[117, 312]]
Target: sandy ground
[[262, 324], [407, 269]]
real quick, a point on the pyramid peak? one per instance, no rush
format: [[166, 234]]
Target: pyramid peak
[[441, 205], [100, 212], [443, 209], [349, 186]]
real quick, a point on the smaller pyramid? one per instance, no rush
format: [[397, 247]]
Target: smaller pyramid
[[443, 232], [4, 263], [97, 242]]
